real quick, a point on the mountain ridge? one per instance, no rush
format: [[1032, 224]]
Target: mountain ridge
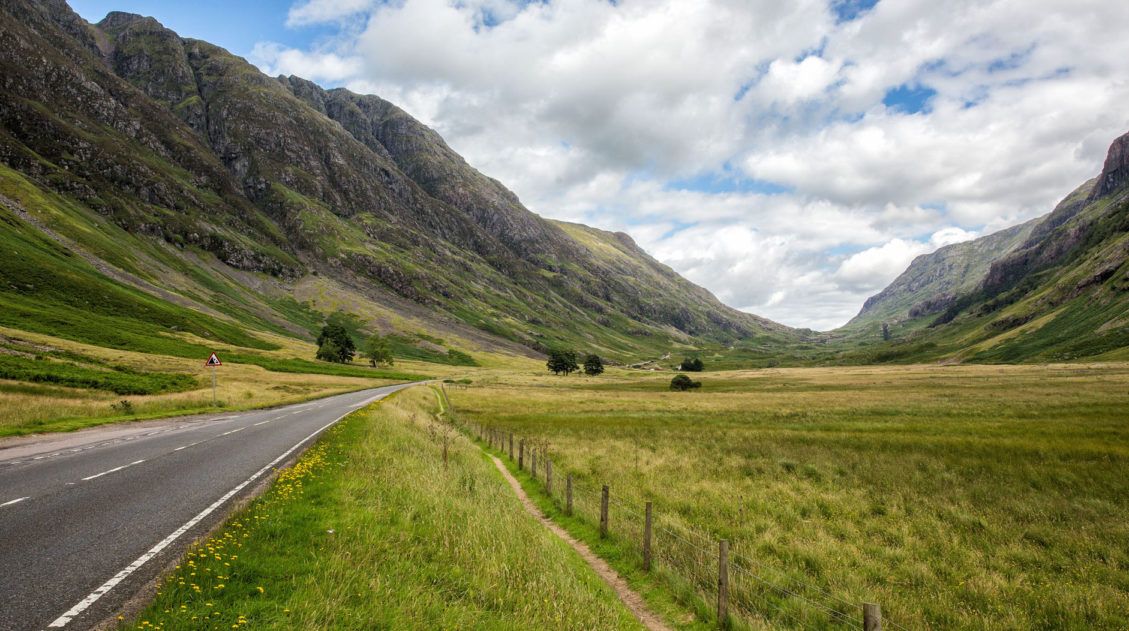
[[198, 154]]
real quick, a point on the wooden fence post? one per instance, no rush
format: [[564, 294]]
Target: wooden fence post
[[723, 585], [604, 512], [568, 494], [521, 454], [549, 476], [444, 453], [511, 445], [647, 540], [871, 617], [533, 462]]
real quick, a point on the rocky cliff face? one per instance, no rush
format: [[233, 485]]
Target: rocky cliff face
[[179, 142], [1115, 175]]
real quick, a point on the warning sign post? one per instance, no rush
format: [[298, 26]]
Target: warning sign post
[[213, 362]]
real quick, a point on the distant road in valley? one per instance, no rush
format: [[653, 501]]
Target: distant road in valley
[[87, 519]]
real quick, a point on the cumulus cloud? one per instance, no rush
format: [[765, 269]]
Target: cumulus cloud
[[760, 148]]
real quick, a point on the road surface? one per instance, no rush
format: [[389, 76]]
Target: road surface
[[87, 519]]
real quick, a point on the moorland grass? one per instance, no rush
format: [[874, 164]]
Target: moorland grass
[[370, 531], [958, 497]]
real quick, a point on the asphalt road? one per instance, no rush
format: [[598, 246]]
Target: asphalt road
[[86, 520]]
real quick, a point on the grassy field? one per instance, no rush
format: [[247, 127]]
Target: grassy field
[[957, 497], [369, 530], [53, 384]]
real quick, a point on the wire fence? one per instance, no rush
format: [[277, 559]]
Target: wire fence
[[692, 560]]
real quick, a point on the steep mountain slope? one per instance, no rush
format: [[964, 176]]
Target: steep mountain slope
[[1060, 292], [932, 281], [181, 172]]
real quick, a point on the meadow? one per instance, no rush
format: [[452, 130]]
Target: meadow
[[370, 530], [54, 384], [957, 497]]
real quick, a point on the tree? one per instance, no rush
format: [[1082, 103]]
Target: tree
[[562, 361], [335, 344], [691, 365], [682, 383], [377, 351], [593, 365], [886, 331]]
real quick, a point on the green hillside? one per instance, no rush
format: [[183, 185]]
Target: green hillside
[[175, 172]]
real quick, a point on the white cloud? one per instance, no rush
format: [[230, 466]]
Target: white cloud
[[320, 11], [595, 111]]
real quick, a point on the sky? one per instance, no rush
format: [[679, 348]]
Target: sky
[[791, 157]]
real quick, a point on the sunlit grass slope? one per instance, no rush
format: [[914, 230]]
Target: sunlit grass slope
[[962, 497], [54, 384], [370, 531]]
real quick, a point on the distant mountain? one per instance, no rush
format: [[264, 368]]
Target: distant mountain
[[179, 170], [1056, 288], [933, 281]]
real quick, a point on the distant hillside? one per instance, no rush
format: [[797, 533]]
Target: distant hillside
[[933, 281], [171, 170], [1050, 290]]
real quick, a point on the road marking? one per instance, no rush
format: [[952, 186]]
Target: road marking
[[263, 422], [85, 603], [232, 431], [98, 475], [15, 501], [188, 445]]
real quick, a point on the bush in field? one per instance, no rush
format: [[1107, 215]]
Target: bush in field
[[593, 365], [682, 383], [562, 361]]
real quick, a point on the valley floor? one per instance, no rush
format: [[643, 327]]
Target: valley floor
[[956, 497]]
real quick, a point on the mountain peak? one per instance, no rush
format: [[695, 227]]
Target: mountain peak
[[1115, 173], [116, 21]]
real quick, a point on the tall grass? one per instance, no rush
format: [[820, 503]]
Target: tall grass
[[957, 497], [370, 531]]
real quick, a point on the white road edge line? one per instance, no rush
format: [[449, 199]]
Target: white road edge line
[[82, 605], [15, 501], [98, 475]]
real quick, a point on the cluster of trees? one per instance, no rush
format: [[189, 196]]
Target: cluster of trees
[[335, 344], [565, 361], [693, 364]]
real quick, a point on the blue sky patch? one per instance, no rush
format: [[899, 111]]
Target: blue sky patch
[[910, 99], [727, 183], [847, 10]]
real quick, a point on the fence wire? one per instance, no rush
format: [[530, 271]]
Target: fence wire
[[686, 554]]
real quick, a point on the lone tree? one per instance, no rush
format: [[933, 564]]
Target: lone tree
[[562, 361], [886, 331], [682, 383], [593, 365], [335, 344], [377, 351], [691, 364]]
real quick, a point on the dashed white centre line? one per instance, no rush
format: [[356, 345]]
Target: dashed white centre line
[[264, 422], [98, 475], [233, 431], [188, 445], [15, 501]]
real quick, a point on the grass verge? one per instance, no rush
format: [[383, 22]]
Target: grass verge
[[369, 530]]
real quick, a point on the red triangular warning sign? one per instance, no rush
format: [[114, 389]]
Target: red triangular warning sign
[[213, 361]]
